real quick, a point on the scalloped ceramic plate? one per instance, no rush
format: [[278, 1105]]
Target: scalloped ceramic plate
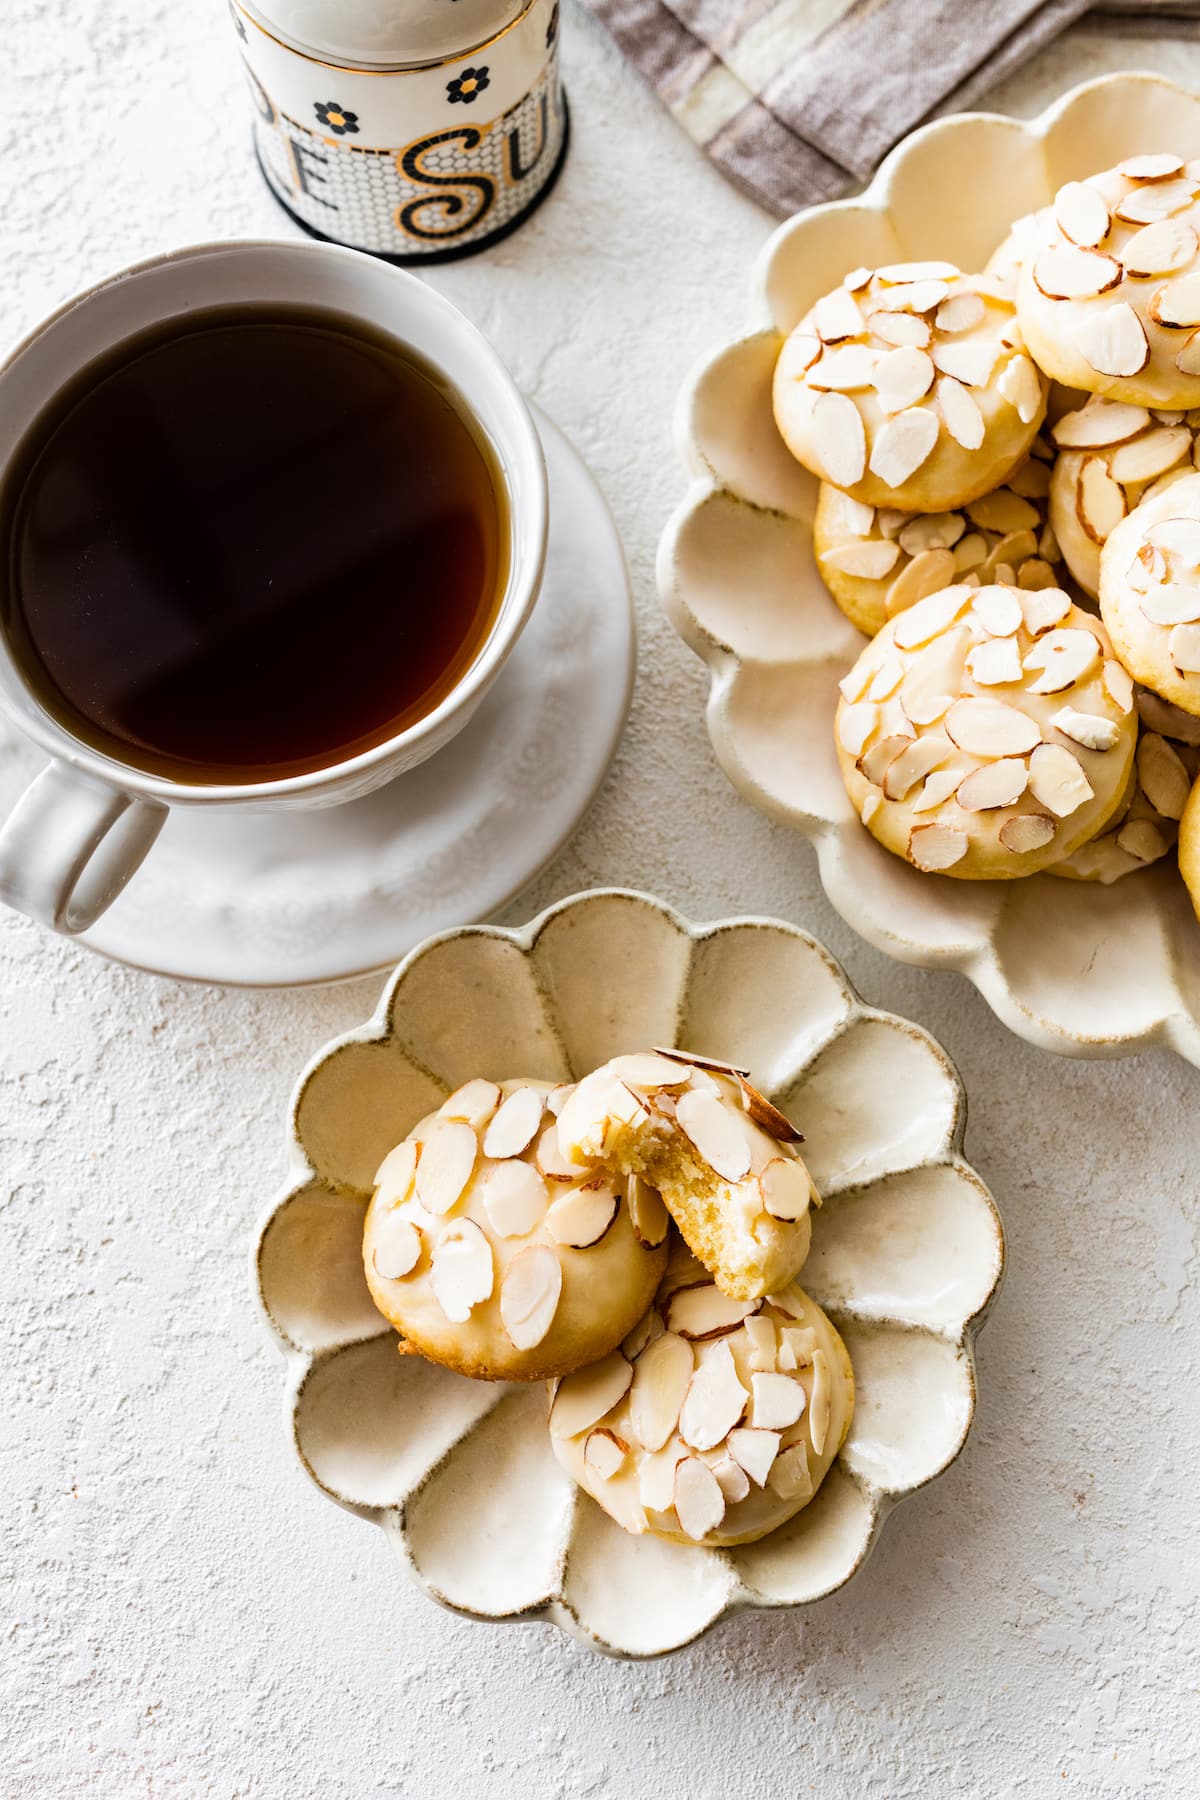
[[1074, 967], [907, 1254]]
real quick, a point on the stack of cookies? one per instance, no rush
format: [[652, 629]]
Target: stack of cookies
[[1010, 510], [634, 1240]]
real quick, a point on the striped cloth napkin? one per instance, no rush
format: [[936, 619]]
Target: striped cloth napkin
[[799, 100]]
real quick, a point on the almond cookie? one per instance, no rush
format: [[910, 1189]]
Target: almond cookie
[[724, 1159], [1189, 847], [718, 1419], [494, 1256], [876, 561], [1108, 295], [1150, 592], [1112, 455], [908, 387], [987, 732], [1145, 827]]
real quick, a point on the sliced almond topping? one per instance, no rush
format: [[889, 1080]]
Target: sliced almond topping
[[529, 1296], [694, 1061], [1031, 479], [515, 1125], [648, 1069], [648, 1330], [894, 720], [869, 561], [1003, 511], [938, 787], [989, 728], [1059, 659], [932, 847], [854, 516], [661, 1377], [856, 279], [929, 617], [647, 1214], [605, 1453], [894, 273], [935, 675], [445, 1164], [1056, 780], [836, 316], [996, 784], [818, 1411], [927, 573], [789, 1477], [1117, 685], [716, 1399], [699, 1502], [902, 377], [1099, 423], [1044, 608], [1081, 214], [902, 444], [1100, 502], [1114, 341], [514, 1198], [1171, 603], [1048, 545], [550, 1159], [760, 1333], [844, 370], [930, 531], [557, 1098], [1160, 249], [582, 1399], [887, 678], [398, 1246], [969, 552], [962, 417], [855, 725], [656, 1479], [1091, 730], [912, 296], [961, 312], [1143, 840], [970, 363], [1178, 537], [475, 1102], [767, 1115], [715, 1134], [705, 1312], [840, 439], [1184, 648], [1177, 304], [1187, 360], [892, 520], [798, 355], [1012, 551], [394, 1176], [1026, 832], [1151, 455], [998, 610], [1154, 166], [1163, 776], [1068, 273], [914, 764], [786, 1188], [1035, 573], [875, 762], [581, 1217], [778, 1402], [1021, 385], [732, 1480], [900, 328], [1158, 201], [461, 1271], [754, 1451]]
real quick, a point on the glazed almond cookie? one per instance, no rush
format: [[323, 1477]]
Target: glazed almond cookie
[[876, 561], [1108, 295], [717, 1420], [1146, 826], [494, 1256], [908, 387], [724, 1159], [1150, 592], [987, 732], [1112, 456]]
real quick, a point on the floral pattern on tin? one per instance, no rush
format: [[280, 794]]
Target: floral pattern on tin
[[468, 86], [338, 119]]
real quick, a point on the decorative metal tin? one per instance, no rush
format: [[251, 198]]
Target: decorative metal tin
[[429, 155]]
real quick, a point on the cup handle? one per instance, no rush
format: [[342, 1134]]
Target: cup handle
[[69, 846]]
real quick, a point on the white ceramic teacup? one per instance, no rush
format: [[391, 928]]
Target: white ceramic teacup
[[84, 826]]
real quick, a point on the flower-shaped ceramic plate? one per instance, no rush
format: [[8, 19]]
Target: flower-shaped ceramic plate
[[906, 1257], [1076, 967]]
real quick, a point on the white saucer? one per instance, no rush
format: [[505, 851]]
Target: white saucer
[[281, 900]]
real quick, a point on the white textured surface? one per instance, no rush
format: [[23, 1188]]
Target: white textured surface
[[182, 1616]]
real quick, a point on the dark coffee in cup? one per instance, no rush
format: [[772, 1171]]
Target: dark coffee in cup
[[251, 544]]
